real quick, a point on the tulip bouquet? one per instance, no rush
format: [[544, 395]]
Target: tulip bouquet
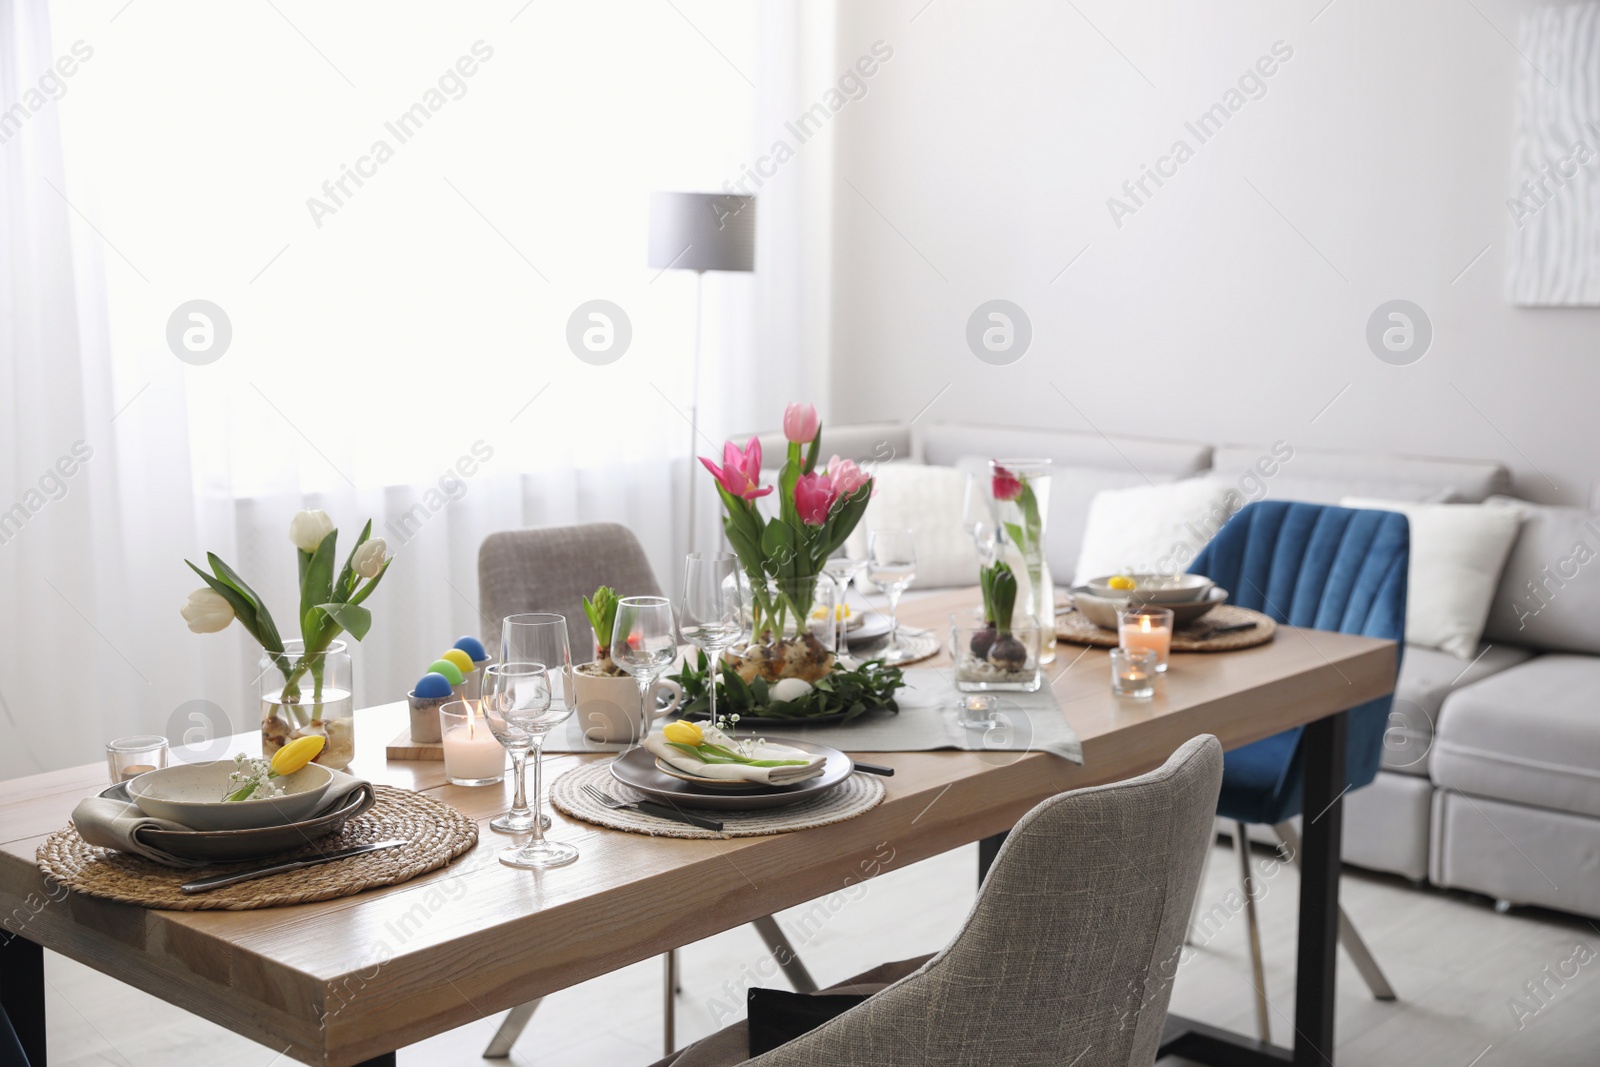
[[329, 606], [817, 510]]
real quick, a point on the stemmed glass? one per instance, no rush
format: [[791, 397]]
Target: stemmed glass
[[644, 645], [518, 707], [843, 570], [535, 637], [892, 566], [978, 517], [711, 616]]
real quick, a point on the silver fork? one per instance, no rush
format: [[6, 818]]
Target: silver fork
[[650, 807]]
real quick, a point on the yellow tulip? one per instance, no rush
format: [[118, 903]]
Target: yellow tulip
[[296, 754], [683, 733]]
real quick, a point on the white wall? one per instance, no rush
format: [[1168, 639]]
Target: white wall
[[985, 152]]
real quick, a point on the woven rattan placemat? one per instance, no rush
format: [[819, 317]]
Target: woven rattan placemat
[[851, 797], [922, 645], [434, 832], [1076, 627]]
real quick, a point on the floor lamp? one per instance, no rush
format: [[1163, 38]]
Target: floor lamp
[[701, 232]]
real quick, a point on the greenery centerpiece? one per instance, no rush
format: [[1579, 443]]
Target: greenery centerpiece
[[329, 606]]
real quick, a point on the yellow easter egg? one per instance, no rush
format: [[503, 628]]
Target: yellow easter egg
[[462, 661]]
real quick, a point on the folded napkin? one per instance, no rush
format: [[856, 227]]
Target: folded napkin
[[739, 772], [119, 824]]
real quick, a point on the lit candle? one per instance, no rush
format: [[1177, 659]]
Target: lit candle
[[472, 756], [1148, 629]]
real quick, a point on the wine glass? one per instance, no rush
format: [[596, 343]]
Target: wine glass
[[892, 566], [978, 517], [843, 570], [520, 711], [711, 616], [643, 644], [535, 637]]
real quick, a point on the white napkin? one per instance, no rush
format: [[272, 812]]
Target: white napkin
[[738, 772], [116, 824]]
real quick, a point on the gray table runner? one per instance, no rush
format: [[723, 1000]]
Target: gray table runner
[[929, 719]]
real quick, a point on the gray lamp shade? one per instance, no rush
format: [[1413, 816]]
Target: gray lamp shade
[[702, 231]]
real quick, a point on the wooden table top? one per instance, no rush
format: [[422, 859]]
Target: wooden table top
[[341, 981]]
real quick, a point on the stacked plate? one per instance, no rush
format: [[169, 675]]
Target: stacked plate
[[1188, 596], [640, 770]]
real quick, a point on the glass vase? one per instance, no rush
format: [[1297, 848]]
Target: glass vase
[[304, 694], [1019, 490], [792, 631]]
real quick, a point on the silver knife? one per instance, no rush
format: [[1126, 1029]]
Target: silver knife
[[204, 884]]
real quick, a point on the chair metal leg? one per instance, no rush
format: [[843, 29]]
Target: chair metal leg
[[1368, 967], [669, 1002], [511, 1028], [1241, 845], [788, 959], [1199, 894]]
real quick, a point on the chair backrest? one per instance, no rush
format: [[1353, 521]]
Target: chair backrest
[[1069, 953], [1322, 568], [553, 569]]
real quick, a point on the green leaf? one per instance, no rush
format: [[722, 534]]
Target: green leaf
[[355, 620], [316, 587], [243, 609], [348, 579], [811, 453], [366, 590]]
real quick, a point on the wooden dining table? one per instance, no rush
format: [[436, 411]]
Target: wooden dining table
[[352, 980]]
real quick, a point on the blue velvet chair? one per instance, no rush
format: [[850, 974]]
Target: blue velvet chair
[[1321, 568]]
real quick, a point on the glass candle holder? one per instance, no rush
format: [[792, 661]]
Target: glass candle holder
[[129, 757], [1147, 627], [472, 755], [1133, 672]]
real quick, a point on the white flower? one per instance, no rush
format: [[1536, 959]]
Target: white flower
[[308, 528], [368, 560], [207, 611]]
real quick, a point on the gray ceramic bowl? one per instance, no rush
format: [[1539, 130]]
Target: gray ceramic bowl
[[1102, 611], [1163, 589], [190, 794]]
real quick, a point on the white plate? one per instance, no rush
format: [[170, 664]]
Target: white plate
[[1154, 588]]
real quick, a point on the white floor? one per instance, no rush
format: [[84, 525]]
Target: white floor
[[1456, 965]]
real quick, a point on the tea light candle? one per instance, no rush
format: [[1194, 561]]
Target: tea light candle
[[472, 756], [1147, 628], [1133, 672]]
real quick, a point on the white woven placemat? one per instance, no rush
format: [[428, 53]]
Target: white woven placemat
[[851, 797]]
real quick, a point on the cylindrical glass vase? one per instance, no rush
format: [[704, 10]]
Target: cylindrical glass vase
[[1019, 490], [305, 694], [792, 629]]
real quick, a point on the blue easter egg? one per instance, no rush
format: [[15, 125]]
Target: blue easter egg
[[472, 647], [433, 684]]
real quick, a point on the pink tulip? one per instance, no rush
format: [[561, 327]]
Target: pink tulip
[[814, 495], [846, 476], [800, 423], [740, 473]]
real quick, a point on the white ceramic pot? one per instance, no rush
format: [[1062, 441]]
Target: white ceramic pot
[[608, 708]]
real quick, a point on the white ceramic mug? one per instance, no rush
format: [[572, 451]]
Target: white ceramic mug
[[608, 708]]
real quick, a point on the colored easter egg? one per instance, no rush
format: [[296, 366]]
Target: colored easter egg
[[473, 648], [462, 661], [448, 669], [433, 686]]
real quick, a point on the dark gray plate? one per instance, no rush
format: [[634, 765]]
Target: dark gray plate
[[636, 769], [230, 845]]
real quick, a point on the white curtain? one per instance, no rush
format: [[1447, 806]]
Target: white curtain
[[398, 345]]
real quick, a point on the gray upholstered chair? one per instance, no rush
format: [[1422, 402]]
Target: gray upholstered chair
[[1066, 958], [553, 569]]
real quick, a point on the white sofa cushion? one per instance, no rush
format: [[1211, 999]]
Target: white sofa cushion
[[927, 501], [1427, 677], [1468, 480], [1457, 552], [1549, 593], [1151, 529]]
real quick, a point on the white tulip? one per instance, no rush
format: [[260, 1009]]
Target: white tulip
[[207, 611], [308, 528], [368, 560]]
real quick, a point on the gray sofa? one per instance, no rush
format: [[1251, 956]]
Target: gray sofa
[[1491, 770]]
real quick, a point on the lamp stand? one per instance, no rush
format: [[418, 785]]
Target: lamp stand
[[694, 402]]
